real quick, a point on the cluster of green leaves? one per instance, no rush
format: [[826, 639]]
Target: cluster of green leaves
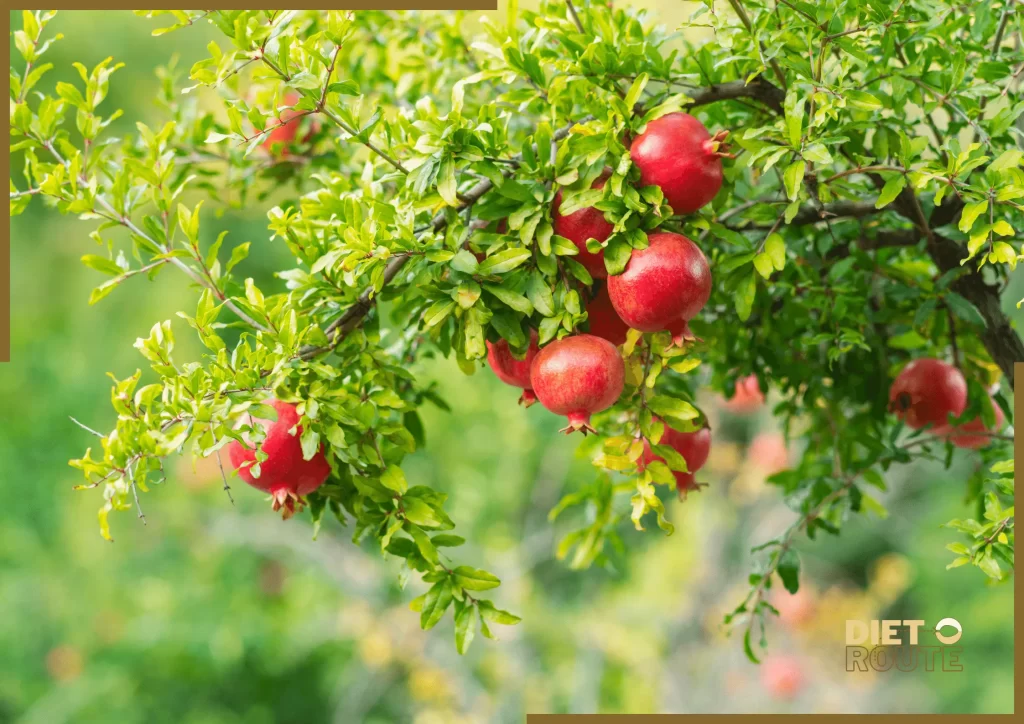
[[873, 202], [990, 543]]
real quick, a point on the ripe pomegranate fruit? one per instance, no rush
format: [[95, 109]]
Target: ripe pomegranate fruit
[[604, 322], [583, 224], [782, 676], [668, 280], [676, 153], [284, 474], [796, 610], [747, 396], [512, 371], [577, 376], [973, 434], [282, 136], [693, 446], [926, 392]]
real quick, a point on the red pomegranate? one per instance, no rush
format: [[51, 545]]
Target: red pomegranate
[[747, 396], [512, 371], [676, 153], [693, 446], [926, 392], [974, 434], [604, 322], [668, 280], [583, 224], [577, 376], [768, 451], [282, 136], [284, 474], [782, 676]]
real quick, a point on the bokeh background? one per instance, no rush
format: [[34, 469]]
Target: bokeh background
[[214, 613]]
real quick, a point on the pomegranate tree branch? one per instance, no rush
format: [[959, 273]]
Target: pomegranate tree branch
[[337, 330], [130, 225]]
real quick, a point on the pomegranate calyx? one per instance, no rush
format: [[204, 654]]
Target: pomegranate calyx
[[527, 398], [578, 421], [287, 501], [718, 146]]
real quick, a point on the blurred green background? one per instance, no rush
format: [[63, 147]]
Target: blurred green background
[[214, 613]]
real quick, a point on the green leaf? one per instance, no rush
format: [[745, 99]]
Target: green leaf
[[964, 309], [775, 248], [102, 264], [465, 628], [475, 579], [763, 264], [891, 190], [789, 570], [862, 100], [435, 603], [744, 297], [665, 406], [971, 213], [504, 261], [394, 479], [793, 177]]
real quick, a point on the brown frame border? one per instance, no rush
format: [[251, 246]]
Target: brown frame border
[[5, 352]]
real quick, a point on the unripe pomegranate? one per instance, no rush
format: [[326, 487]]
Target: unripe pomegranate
[[284, 474], [747, 396], [282, 136], [676, 153], [972, 435], [668, 280], [782, 676], [512, 371], [926, 392], [604, 321], [577, 376], [583, 224], [695, 447]]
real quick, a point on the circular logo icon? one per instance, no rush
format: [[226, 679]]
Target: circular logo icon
[[948, 639]]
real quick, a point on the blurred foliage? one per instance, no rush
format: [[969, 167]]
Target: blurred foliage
[[213, 613]]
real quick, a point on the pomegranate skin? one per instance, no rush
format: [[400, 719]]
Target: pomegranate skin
[[695, 447], [577, 376], [284, 474], [676, 153], [514, 371], [926, 392], [604, 321], [283, 135], [583, 224], [972, 435], [668, 280]]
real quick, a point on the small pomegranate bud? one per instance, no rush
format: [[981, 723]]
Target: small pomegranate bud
[[677, 154], [578, 376], [926, 392], [667, 281], [583, 224], [603, 319], [512, 371], [285, 474]]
